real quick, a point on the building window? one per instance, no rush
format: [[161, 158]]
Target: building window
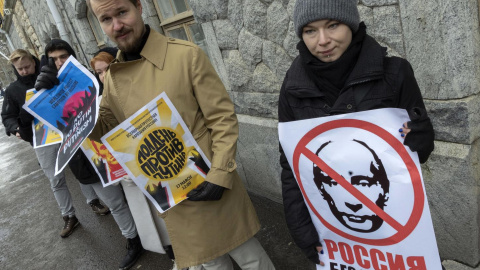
[[177, 21], [171, 8], [97, 29]]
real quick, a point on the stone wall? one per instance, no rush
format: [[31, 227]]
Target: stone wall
[[17, 43], [41, 20]]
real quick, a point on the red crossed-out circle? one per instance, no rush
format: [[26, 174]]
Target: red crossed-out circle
[[419, 197]]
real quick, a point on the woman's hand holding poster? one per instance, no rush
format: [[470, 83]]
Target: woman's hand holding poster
[[159, 153], [364, 190]]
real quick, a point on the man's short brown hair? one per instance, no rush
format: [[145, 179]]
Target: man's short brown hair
[[89, 5], [20, 54]]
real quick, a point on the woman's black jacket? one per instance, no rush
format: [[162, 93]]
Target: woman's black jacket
[[375, 82]]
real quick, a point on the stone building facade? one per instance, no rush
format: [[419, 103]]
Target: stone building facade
[[252, 44]]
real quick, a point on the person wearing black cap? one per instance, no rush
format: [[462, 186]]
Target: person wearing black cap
[[57, 52], [341, 69]]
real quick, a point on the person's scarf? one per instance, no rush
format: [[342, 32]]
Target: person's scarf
[[330, 77], [28, 80]]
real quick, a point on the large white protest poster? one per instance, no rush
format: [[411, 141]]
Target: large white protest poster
[[364, 190]]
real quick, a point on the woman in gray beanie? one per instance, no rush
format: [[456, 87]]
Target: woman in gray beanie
[[341, 69]]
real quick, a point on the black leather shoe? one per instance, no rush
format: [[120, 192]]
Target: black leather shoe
[[134, 251]]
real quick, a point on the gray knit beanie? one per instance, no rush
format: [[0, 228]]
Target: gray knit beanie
[[307, 11]]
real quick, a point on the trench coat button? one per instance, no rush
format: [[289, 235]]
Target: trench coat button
[[230, 164], [349, 106]]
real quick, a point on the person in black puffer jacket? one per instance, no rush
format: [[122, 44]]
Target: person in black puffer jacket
[[18, 121], [341, 69], [26, 67]]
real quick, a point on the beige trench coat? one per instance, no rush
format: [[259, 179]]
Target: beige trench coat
[[199, 231]]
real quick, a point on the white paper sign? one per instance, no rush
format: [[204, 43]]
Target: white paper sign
[[364, 190]]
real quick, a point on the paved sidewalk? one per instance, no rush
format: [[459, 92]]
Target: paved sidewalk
[[30, 223]]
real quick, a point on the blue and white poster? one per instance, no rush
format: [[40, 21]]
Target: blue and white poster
[[69, 108]]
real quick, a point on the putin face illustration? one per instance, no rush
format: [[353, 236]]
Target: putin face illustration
[[356, 162]]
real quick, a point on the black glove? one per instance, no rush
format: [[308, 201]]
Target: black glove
[[48, 76], [421, 136], [206, 191], [14, 131], [312, 253], [26, 134], [25, 120]]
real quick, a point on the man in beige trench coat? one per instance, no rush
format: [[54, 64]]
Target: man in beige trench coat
[[218, 219]]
